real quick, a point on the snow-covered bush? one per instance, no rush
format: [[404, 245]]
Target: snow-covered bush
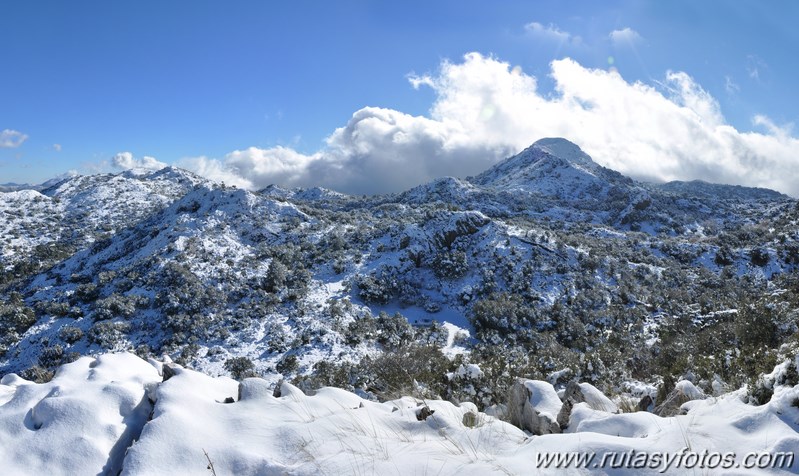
[[374, 289], [15, 315], [393, 331], [450, 264], [240, 367], [416, 370], [108, 334], [362, 329]]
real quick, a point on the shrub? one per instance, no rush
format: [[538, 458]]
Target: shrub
[[501, 312], [724, 257], [360, 330], [417, 370], [288, 364], [16, 316], [759, 257], [108, 334], [51, 356], [756, 326], [393, 331], [373, 290], [450, 264], [117, 305], [37, 374], [70, 334], [240, 367], [87, 292], [276, 277]]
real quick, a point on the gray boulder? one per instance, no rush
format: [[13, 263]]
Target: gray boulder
[[583, 393], [533, 406]]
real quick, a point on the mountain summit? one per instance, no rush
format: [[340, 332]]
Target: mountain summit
[[564, 149], [553, 167]]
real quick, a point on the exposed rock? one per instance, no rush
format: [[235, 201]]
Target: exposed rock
[[533, 406], [565, 413], [684, 391], [574, 393], [470, 419], [423, 413], [583, 393], [460, 224], [168, 371], [571, 396], [597, 400], [645, 403]]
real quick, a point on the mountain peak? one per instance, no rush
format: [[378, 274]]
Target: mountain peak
[[544, 165], [562, 148]]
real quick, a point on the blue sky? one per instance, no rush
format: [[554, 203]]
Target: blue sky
[[253, 92]]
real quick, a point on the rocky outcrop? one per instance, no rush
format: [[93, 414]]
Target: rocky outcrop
[[423, 413], [583, 393], [533, 406], [645, 403], [684, 391]]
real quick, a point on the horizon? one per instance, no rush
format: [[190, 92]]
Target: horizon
[[146, 171], [365, 97]]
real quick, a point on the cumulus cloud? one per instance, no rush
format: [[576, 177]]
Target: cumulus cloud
[[125, 161], [11, 139], [624, 37], [486, 110], [255, 168]]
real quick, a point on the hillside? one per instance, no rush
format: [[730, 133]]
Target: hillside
[[546, 266]]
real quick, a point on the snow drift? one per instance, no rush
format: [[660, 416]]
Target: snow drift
[[117, 413]]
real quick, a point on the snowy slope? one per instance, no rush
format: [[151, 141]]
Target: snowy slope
[[555, 168], [168, 263], [93, 419], [76, 210], [81, 422]]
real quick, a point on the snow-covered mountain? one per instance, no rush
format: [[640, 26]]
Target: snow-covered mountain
[[546, 256], [555, 180], [712, 191], [554, 168], [72, 212], [547, 266]]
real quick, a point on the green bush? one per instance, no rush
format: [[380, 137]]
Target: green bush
[[70, 334], [240, 367], [416, 370]]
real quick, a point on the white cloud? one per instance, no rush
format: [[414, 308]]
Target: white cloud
[[756, 67], [57, 147], [624, 37], [731, 86], [551, 32], [10, 139], [281, 164], [217, 170], [486, 110], [125, 161]]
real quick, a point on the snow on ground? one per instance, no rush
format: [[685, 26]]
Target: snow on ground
[[80, 422], [418, 316], [86, 419]]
